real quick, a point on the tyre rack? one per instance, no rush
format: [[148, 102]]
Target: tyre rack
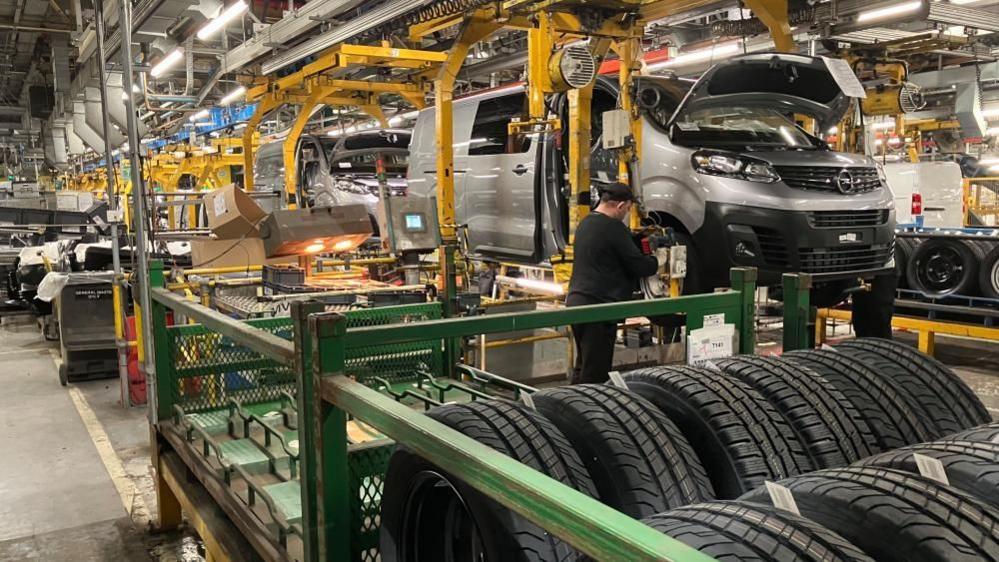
[[336, 383]]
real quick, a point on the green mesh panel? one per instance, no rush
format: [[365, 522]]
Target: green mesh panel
[[209, 368], [366, 464], [394, 363]]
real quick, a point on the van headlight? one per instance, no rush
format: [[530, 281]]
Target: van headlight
[[730, 165]]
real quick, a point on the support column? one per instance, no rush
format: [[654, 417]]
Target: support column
[[773, 13], [797, 310], [329, 425]]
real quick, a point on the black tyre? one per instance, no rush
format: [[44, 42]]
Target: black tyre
[[970, 466], [895, 516], [939, 267], [63, 373], [751, 532], [903, 251], [741, 439], [879, 402], [988, 433], [428, 515], [638, 460], [949, 404], [826, 423], [988, 274]]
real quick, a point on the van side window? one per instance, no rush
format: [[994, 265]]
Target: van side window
[[490, 134]]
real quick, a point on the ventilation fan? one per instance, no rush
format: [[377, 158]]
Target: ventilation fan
[[572, 67]]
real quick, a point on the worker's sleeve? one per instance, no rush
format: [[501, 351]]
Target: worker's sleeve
[[632, 259]]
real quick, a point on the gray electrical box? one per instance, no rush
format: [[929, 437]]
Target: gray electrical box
[[617, 128], [410, 223]]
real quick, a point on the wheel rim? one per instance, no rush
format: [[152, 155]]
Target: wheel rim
[[994, 278], [438, 527], [941, 271]]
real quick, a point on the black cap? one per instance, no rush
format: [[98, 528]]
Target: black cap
[[616, 192]]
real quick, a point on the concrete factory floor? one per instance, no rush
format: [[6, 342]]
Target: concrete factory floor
[[59, 447], [75, 479]]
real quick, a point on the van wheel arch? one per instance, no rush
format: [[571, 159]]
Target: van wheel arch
[[665, 219]]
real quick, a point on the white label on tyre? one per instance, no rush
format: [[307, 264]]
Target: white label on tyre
[[617, 380], [782, 498], [525, 397], [931, 468], [828, 347]]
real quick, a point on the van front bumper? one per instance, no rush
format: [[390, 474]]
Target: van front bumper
[[829, 245]]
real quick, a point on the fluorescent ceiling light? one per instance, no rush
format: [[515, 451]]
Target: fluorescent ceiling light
[[199, 115], [221, 20], [988, 161], [231, 96], [993, 132], [167, 62], [889, 11], [697, 56], [991, 112]]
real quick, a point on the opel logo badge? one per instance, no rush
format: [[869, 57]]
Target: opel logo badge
[[845, 181]]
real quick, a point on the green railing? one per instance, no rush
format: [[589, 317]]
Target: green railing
[[328, 351]]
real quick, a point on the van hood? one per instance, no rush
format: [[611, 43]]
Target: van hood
[[785, 82]]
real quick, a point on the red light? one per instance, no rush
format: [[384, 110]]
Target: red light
[[917, 204]]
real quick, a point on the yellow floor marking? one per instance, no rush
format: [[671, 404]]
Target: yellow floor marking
[[131, 498]]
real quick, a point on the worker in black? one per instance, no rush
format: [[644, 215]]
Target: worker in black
[[607, 266]]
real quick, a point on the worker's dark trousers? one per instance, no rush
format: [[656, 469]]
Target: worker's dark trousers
[[594, 351], [872, 310]]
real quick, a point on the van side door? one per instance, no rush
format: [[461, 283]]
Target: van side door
[[500, 196]]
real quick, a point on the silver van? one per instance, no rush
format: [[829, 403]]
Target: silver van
[[723, 162], [337, 171]]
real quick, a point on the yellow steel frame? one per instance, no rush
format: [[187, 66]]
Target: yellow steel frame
[[926, 329], [312, 86]]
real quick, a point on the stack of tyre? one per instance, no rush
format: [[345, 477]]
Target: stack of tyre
[[689, 450], [939, 266]]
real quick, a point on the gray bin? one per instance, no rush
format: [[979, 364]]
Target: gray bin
[[85, 308]]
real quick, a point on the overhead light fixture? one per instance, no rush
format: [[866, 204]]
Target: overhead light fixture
[[882, 125], [991, 112], [832, 130], [232, 96], [700, 55], [992, 132], [889, 11], [989, 161], [167, 62], [222, 19], [199, 115]]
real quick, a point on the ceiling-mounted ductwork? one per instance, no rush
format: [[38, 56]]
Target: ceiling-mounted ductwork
[[343, 32], [87, 134], [290, 27]]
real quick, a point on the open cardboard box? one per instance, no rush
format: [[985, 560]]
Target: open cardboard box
[[234, 219]]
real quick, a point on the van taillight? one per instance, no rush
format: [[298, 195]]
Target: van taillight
[[917, 204]]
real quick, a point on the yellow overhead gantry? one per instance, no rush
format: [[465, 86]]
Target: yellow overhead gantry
[[316, 84]]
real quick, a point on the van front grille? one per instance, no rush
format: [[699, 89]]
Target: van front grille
[[772, 246], [848, 180], [847, 219], [833, 260]]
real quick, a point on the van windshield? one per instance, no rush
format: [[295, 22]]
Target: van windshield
[[748, 128]]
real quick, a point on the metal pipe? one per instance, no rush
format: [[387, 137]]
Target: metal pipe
[[138, 203], [29, 28], [112, 189]]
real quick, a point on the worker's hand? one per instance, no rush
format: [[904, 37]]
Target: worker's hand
[[657, 241]]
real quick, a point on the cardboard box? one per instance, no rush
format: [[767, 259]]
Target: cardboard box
[[207, 252], [232, 214]]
